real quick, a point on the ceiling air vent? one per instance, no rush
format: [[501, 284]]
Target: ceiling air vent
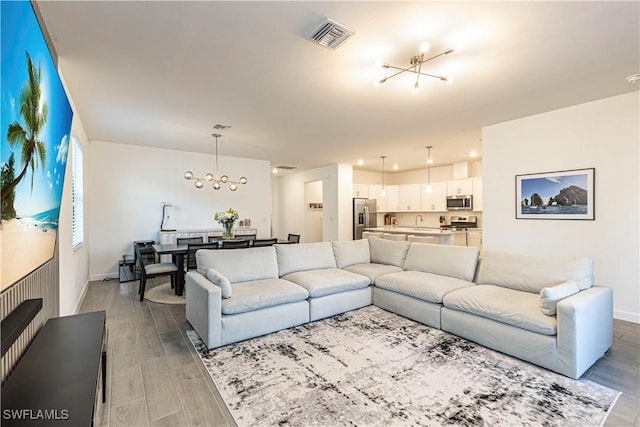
[[330, 34], [286, 167]]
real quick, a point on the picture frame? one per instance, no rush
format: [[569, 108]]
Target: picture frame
[[567, 195]]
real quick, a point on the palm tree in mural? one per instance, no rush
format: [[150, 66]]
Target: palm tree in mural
[[34, 116]]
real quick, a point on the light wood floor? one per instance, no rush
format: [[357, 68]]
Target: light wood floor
[[155, 378]]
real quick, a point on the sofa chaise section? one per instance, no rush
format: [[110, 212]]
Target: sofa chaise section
[[430, 272], [236, 294], [331, 290], [505, 311]]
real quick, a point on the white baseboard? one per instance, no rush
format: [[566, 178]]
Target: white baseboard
[[626, 315], [82, 297], [102, 276]]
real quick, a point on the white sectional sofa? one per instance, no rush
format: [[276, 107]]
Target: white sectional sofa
[[542, 310]]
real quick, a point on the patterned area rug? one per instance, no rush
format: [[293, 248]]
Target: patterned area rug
[[370, 367]]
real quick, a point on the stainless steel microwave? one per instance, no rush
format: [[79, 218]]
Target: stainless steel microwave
[[460, 203]]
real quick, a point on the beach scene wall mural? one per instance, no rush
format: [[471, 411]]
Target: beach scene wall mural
[[35, 127], [556, 195]]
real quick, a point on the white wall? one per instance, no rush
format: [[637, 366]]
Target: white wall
[[336, 197], [128, 184], [313, 217], [603, 134]]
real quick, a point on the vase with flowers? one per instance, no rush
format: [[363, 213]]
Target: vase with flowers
[[227, 219]]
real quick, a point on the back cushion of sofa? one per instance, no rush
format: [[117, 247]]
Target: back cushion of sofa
[[447, 260], [532, 274], [351, 252], [239, 265], [304, 256], [388, 252]]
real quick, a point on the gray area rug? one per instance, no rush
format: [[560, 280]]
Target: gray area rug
[[164, 294], [370, 367]]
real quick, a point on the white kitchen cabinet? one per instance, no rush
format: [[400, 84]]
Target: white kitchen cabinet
[[477, 194], [459, 238], [392, 198], [381, 201], [436, 200], [459, 187], [361, 190], [474, 238], [409, 198]]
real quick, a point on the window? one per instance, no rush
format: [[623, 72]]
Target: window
[[77, 188]]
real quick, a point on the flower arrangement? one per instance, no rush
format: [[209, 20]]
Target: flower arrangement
[[227, 219]]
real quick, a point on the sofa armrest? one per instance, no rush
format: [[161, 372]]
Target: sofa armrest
[[585, 329], [204, 308]]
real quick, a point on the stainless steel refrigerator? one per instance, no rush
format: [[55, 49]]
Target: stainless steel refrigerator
[[364, 216]]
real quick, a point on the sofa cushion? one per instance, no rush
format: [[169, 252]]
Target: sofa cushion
[[257, 294], [388, 252], [530, 273], [372, 270], [239, 265], [425, 286], [549, 297], [220, 281], [351, 252], [304, 256], [448, 260], [509, 306], [327, 281]]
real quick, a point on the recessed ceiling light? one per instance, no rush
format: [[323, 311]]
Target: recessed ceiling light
[[274, 170], [360, 162], [473, 154], [394, 167]]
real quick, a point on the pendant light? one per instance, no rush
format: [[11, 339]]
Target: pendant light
[[215, 179], [383, 192], [429, 161]]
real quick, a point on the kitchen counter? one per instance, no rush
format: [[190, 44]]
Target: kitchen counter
[[446, 236]]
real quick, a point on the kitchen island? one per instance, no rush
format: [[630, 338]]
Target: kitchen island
[[446, 237]]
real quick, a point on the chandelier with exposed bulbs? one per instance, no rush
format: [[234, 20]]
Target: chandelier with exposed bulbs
[[415, 67], [216, 180]]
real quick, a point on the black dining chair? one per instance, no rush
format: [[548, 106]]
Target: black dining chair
[[151, 270], [192, 248], [249, 237], [293, 238], [151, 257], [187, 240], [212, 239], [264, 242], [234, 244]]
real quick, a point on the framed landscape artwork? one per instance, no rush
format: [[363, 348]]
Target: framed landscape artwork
[[35, 126], [556, 195]]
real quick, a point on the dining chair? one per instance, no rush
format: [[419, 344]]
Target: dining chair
[[264, 242], [192, 248], [187, 240], [212, 239], [250, 237], [151, 257], [423, 239], [293, 238], [234, 244], [151, 270]]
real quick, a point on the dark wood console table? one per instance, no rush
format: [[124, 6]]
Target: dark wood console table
[[56, 382]]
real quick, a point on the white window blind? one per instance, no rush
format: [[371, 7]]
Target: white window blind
[[78, 196]]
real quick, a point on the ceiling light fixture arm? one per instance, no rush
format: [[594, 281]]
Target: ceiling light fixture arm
[[416, 62]]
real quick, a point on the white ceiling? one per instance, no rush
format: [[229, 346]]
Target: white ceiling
[[163, 73]]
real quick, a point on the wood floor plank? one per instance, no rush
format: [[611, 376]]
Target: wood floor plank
[[200, 405], [149, 342], [173, 420], [175, 349], [159, 388], [162, 318], [133, 414], [126, 379]]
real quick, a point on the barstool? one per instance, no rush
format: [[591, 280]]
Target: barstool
[[391, 236]]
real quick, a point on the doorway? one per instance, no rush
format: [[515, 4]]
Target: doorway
[[313, 211]]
